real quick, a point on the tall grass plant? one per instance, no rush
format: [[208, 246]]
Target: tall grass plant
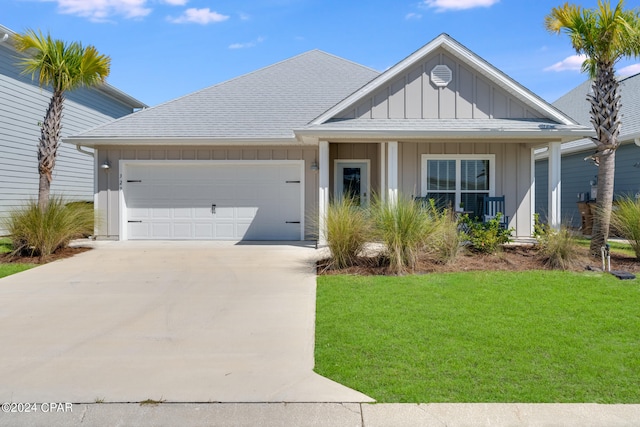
[[347, 231], [625, 220], [40, 232], [404, 227], [559, 248]]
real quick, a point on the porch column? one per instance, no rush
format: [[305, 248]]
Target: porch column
[[392, 170], [323, 191], [383, 171], [554, 214]]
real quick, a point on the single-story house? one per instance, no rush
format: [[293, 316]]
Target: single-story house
[[23, 105], [579, 172], [259, 157]]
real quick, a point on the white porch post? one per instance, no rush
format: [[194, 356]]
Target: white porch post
[[383, 171], [392, 170], [323, 191], [554, 213], [532, 191]]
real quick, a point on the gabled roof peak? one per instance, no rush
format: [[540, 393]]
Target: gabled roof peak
[[456, 49]]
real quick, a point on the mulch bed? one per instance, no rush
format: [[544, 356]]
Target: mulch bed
[[60, 254], [511, 258]]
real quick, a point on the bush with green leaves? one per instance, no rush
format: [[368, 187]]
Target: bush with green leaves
[[41, 232], [559, 248], [485, 237], [625, 221], [347, 231], [404, 227]]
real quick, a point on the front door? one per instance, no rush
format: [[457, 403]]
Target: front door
[[352, 180]]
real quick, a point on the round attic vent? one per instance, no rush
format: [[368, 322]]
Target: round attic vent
[[441, 75]]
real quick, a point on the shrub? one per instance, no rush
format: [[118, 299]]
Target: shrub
[[404, 227], [625, 220], [485, 237], [559, 249], [347, 231], [37, 232]]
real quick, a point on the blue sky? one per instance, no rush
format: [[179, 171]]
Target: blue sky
[[163, 49]]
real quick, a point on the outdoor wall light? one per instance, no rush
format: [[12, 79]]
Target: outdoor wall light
[[105, 165], [314, 166]]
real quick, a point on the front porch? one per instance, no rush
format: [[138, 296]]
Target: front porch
[[457, 174]]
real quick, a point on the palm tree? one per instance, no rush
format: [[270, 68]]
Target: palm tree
[[604, 35], [62, 67]]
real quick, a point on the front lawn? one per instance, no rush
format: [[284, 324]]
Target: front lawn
[[534, 336], [11, 268]]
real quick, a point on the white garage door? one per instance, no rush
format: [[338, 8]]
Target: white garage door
[[213, 201]]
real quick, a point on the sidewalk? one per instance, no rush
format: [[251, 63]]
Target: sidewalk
[[332, 415]]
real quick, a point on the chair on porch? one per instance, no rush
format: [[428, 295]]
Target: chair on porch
[[491, 207]]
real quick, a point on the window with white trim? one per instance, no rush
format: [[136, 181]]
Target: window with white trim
[[458, 182]]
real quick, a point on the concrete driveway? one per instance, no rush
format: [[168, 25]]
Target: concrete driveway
[[173, 321]]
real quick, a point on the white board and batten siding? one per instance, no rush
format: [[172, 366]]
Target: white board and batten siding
[[212, 200], [23, 105]]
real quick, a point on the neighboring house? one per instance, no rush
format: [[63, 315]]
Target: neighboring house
[[23, 105], [579, 172], [260, 156]]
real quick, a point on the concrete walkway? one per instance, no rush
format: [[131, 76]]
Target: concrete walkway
[[332, 415], [172, 321]]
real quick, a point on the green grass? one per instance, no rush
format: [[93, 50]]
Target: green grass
[[619, 247], [482, 337], [9, 269]]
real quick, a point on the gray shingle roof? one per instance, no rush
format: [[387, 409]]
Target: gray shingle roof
[[576, 106], [265, 104]]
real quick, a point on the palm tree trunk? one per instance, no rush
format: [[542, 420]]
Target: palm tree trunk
[[605, 117], [48, 146], [602, 217]]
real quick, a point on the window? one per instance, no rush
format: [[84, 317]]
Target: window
[[458, 182]]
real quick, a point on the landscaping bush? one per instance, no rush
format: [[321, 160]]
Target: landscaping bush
[[558, 249], [485, 237], [625, 221], [404, 227], [347, 231], [36, 232]]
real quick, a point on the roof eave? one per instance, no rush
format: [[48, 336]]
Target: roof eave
[[564, 135], [173, 141], [633, 138]]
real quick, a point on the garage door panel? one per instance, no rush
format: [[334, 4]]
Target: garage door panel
[[161, 230], [253, 201]]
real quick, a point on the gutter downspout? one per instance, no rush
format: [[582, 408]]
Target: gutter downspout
[[79, 148]]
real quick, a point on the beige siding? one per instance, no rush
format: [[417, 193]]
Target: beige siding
[[413, 95], [512, 170], [108, 201]]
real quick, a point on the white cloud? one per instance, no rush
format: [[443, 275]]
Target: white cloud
[[443, 5], [199, 16], [246, 45], [412, 16], [101, 10], [176, 2], [571, 63], [244, 16], [629, 70]]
